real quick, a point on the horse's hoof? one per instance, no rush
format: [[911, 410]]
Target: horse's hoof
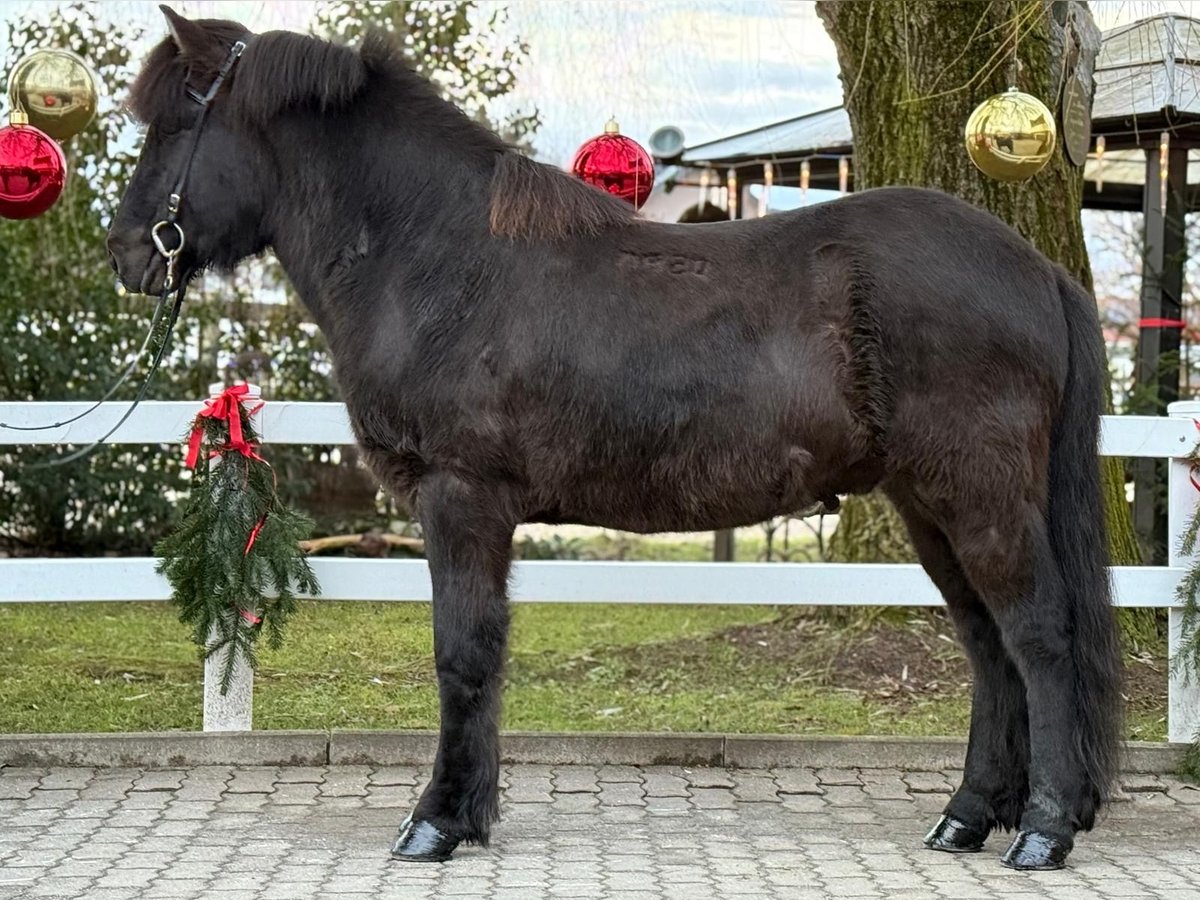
[[1034, 850], [421, 841], [953, 835]]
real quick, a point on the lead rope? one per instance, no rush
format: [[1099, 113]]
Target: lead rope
[[161, 353], [155, 319]]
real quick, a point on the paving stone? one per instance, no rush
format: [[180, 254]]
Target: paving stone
[[51, 799], [295, 793], [387, 796], [307, 775], [886, 788], [622, 794], [159, 780], [528, 789], [617, 774], [345, 781], [712, 798], [66, 779], [575, 780], [54, 886], [709, 778], [664, 833], [797, 781], [927, 783], [845, 795], [572, 804], [1182, 792], [1135, 783], [838, 776], [256, 780], [754, 788], [17, 788]]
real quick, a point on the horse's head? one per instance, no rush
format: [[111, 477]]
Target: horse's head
[[223, 206]]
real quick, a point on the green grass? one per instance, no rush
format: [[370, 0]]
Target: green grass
[[130, 667]]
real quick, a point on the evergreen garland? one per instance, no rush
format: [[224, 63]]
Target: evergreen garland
[[1187, 659], [234, 561]]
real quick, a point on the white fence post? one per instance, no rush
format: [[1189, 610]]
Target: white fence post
[[232, 711], [1183, 697]]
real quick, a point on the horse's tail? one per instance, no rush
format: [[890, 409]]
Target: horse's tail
[[1080, 543]]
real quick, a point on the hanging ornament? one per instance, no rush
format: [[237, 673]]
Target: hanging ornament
[[1100, 142], [33, 170], [731, 193], [234, 562], [56, 90], [843, 174], [805, 174], [617, 164], [1010, 136]]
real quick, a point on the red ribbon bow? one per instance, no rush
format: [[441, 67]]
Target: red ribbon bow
[[227, 406]]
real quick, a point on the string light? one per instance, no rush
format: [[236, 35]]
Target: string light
[[1164, 144], [768, 180]]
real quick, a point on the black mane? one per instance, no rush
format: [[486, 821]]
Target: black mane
[[282, 71]]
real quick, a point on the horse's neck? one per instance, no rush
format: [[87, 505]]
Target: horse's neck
[[394, 212]]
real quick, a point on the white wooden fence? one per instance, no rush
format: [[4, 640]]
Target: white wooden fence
[[82, 580]]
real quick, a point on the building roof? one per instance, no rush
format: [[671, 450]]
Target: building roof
[[824, 131], [1148, 67], [1147, 77]]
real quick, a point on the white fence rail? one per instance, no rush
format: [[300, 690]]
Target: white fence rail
[[82, 580]]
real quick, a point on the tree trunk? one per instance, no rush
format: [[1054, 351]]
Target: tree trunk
[[911, 74]]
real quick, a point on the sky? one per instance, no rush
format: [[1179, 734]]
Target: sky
[[709, 67]]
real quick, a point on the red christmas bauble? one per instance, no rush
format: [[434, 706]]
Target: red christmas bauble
[[33, 172], [617, 164]]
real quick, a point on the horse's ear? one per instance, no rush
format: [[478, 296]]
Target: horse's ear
[[193, 41]]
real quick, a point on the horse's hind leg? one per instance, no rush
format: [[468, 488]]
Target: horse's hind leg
[[468, 542], [1005, 551], [995, 777]]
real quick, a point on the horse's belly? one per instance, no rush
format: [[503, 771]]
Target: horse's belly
[[696, 489]]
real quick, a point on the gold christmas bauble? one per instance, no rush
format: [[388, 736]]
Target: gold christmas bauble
[[56, 90], [1010, 136]]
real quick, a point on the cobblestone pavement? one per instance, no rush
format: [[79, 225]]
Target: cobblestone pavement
[[569, 831]]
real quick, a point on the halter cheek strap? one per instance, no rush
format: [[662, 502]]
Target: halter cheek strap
[[175, 198]]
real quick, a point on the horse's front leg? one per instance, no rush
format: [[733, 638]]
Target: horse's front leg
[[468, 542]]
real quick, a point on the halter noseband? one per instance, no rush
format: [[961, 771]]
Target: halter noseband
[[175, 198]]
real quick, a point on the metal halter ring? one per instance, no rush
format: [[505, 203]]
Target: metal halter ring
[[171, 255]]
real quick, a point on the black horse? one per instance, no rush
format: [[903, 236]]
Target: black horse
[[516, 346]]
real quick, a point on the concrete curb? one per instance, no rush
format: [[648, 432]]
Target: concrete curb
[[167, 749], [174, 749]]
